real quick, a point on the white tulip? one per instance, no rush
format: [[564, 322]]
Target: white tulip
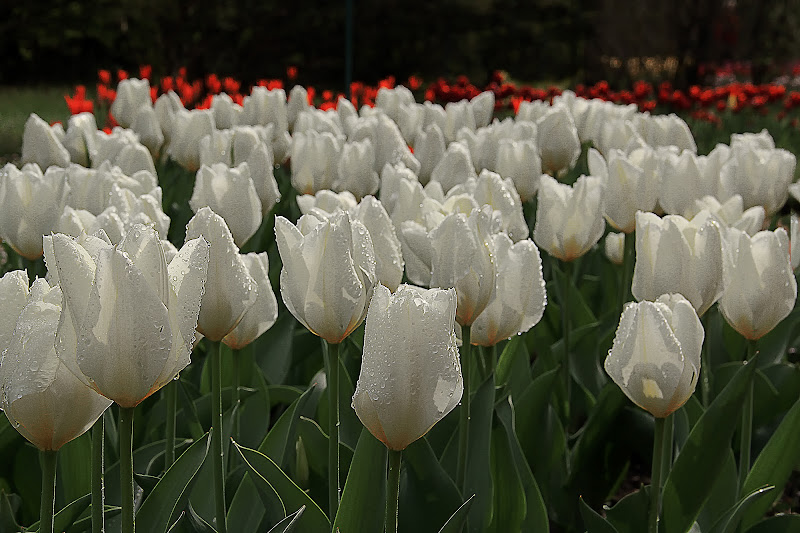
[[41, 144], [655, 358], [264, 312], [410, 374]]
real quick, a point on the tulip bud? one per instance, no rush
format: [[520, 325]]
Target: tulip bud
[[627, 189], [230, 289], [760, 176], [132, 94], [264, 312], [42, 399], [264, 106], [569, 220], [677, 255], [298, 102], [795, 241], [520, 161], [79, 140], [520, 296], [655, 358], [429, 148], [454, 167], [41, 145], [458, 115], [482, 107], [354, 170], [187, 130], [665, 130], [314, 158], [230, 193], [31, 204], [410, 375], [328, 272], [615, 247], [761, 289], [559, 145]]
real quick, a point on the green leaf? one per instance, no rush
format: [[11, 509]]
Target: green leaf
[[536, 518], [509, 494], [774, 464], [250, 504], [363, 503], [729, 522], [288, 524], [456, 522], [8, 521], [596, 429], [74, 478], [425, 488], [254, 417], [274, 349], [504, 363], [478, 480], [593, 522], [290, 494], [66, 517], [279, 442], [170, 494], [630, 514], [777, 524], [85, 523], [349, 425], [724, 494], [702, 458]]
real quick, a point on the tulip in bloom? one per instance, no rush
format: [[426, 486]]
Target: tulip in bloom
[[314, 159], [760, 176], [410, 375], [655, 358], [42, 399], [569, 220], [680, 256], [559, 146], [355, 169], [520, 296], [455, 166], [231, 193], [328, 272], [132, 94], [429, 148], [520, 161], [615, 247], [42, 145], [128, 318], [264, 312], [31, 204], [761, 289]]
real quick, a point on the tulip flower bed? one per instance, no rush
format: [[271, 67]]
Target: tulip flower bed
[[500, 310]]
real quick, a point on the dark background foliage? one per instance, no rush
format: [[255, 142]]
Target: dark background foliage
[[577, 40]]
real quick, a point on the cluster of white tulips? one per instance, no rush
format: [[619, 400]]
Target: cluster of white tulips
[[115, 318]]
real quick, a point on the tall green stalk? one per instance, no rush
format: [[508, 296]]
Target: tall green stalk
[[98, 473], [393, 491], [747, 424], [566, 373], [126, 468], [49, 461], [705, 364], [655, 484], [463, 427], [236, 397], [669, 439], [332, 378], [171, 397], [216, 435]]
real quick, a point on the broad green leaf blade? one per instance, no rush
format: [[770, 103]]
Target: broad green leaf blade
[[456, 522], [509, 494], [363, 503], [478, 480], [66, 517], [279, 442], [250, 504], [74, 478], [777, 524], [85, 523], [504, 363], [729, 522], [696, 469], [630, 514], [536, 518], [593, 522], [288, 524], [774, 464], [723, 497], [427, 493], [596, 429], [169, 495], [291, 495]]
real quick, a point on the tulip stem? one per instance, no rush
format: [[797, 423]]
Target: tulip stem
[[463, 428], [629, 254], [393, 491], [98, 491], [332, 369], [655, 483], [666, 455], [236, 397], [216, 435], [126, 468], [747, 424], [705, 365], [48, 460], [566, 373], [171, 397]]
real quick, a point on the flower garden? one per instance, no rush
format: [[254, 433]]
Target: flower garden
[[419, 306]]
